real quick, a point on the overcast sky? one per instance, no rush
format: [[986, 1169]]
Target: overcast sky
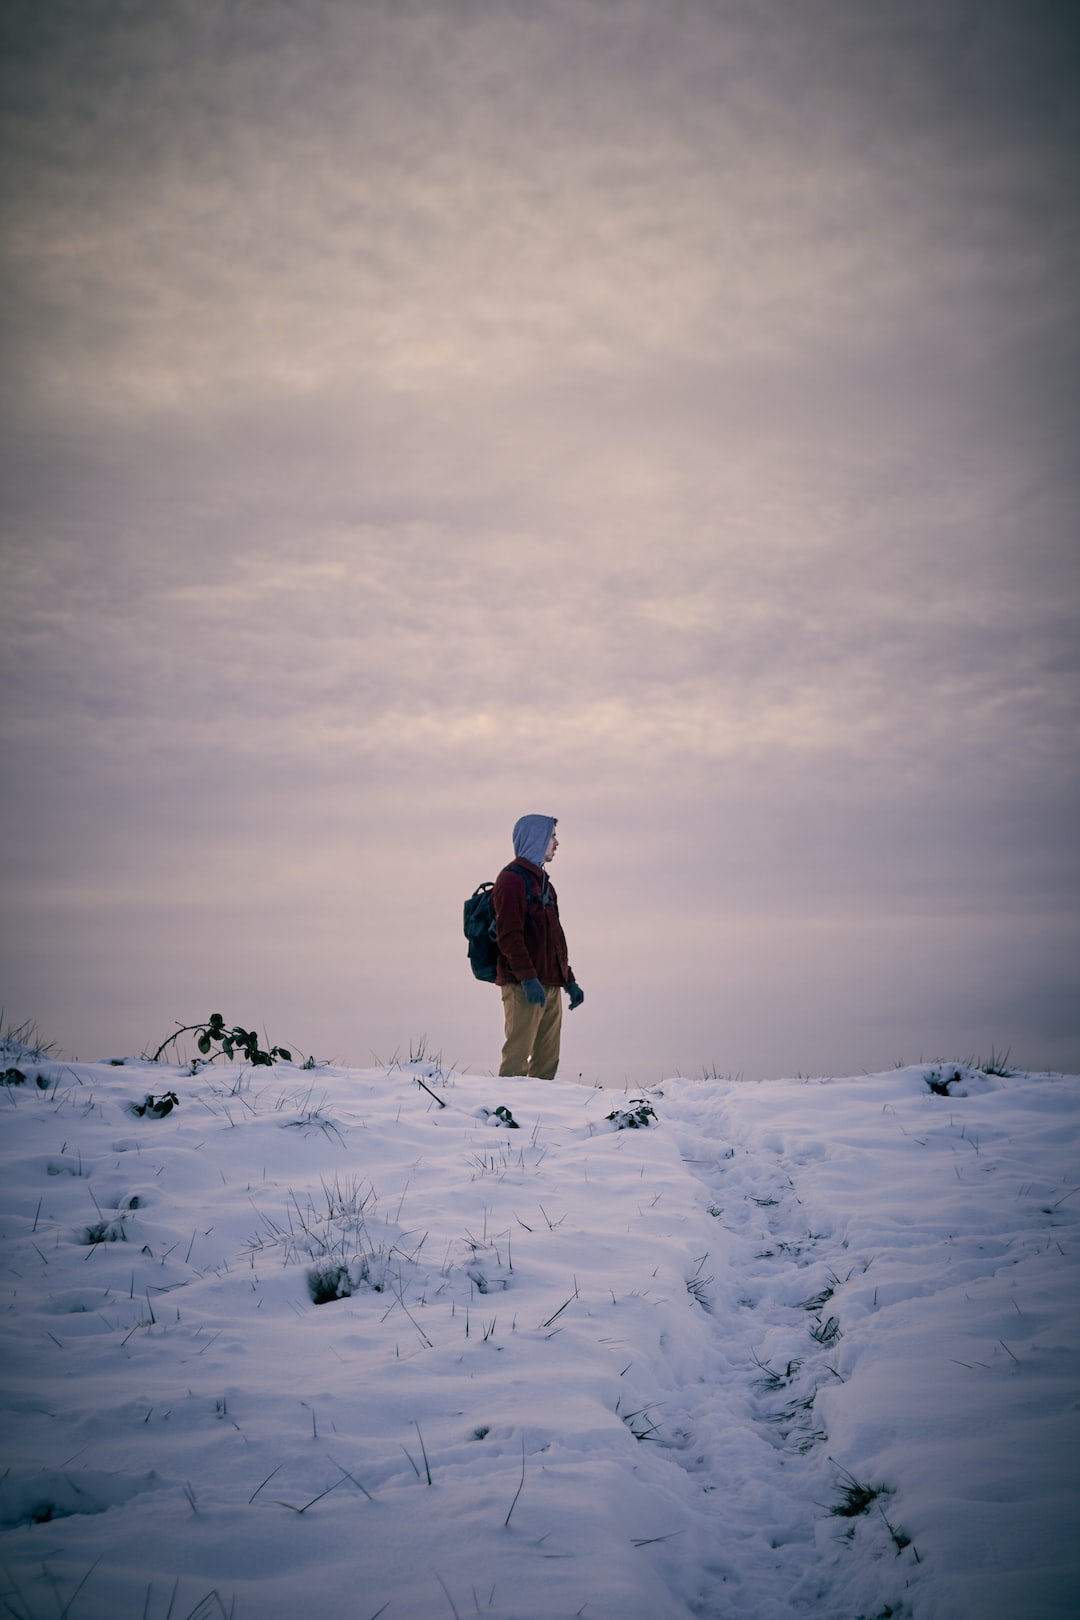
[[661, 414]]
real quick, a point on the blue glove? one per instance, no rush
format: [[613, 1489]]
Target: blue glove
[[576, 994], [534, 992]]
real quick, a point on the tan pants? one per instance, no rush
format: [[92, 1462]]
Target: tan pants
[[533, 1033]]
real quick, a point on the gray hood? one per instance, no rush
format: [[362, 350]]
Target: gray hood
[[531, 836]]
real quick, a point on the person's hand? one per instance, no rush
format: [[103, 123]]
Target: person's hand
[[534, 992], [576, 994]]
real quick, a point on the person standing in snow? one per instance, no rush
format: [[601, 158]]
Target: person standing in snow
[[533, 968]]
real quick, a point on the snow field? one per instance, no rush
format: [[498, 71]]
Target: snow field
[[628, 1374]]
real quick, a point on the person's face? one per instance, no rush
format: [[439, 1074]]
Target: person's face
[[553, 844]]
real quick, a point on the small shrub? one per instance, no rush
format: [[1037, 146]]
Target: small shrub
[[228, 1041], [939, 1084], [339, 1279], [328, 1282], [104, 1232], [155, 1107], [636, 1117]]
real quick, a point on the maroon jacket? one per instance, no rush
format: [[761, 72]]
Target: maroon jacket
[[529, 935]]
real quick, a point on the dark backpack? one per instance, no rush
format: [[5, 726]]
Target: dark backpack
[[480, 926]]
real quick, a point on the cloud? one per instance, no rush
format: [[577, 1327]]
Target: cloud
[[463, 198], [661, 413]]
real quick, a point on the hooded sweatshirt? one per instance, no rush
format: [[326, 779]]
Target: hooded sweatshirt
[[532, 835], [529, 934]]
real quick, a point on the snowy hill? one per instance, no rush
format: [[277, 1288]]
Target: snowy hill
[[352, 1343]]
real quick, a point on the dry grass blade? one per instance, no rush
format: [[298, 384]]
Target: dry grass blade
[[521, 1483]]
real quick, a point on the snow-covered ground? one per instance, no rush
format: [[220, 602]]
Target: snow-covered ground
[[785, 1348]]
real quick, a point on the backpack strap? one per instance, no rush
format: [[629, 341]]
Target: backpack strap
[[522, 872], [530, 882]]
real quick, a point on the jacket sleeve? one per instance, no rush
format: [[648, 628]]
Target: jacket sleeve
[[508, 902]]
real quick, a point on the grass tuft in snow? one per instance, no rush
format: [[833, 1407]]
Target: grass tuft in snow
[[996, 1064], [771, 1379], [698, 1287], [826, 1332], [640, 1423], [24, 1040], [855, 1498], [816, 1301]]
